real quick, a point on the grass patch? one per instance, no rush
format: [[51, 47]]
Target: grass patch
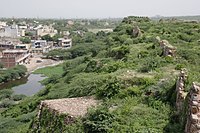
[[50, 71]]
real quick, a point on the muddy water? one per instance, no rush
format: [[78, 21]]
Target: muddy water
[[27, 86]]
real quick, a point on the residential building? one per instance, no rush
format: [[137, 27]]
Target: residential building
[[40, 46], [9, 31], [23, 46], [14, 57], [2, 24], [65, 42], [8, 43], [45, 30]]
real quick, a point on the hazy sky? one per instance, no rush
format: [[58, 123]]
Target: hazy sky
[[97, 8]]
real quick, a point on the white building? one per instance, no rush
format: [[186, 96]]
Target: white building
[[2, 24], [45, 30], [40, 46], [65, 43], [10, 31]]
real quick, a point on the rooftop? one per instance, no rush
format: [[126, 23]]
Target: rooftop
[[15, 51]]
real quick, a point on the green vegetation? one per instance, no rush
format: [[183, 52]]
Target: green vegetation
[[25, 40], [134, 82], [50, 71], [12, 73]]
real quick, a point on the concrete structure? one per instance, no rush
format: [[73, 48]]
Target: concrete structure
[[45, 30], [9, 31], [40, 46], [8, 43], [39, 43], [23, 46], [66, 33], [65, 43], [70, 23], [22, 32], [2, 24], [14, 57]]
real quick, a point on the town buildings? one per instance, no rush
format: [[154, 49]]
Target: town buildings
[[14, 52], [65, 43], [13, 57]]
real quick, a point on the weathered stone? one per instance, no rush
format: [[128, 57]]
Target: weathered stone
[[193, 112], [180, 94], [136, 31], [69, 108], [168, 49]]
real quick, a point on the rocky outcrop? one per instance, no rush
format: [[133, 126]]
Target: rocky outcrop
[[180, 90], [168, 49], [136, 31], [193, 113]]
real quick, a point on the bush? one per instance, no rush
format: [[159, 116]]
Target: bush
[[119, 52], [13, 73], [110, 89], [26, 117], [99, 121], [5, 93], [6, 104], [18, 97], [179, 66]]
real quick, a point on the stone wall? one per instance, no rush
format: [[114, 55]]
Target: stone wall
[[180, 90], [193, 110], [188, 104]]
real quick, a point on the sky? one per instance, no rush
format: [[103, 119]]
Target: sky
[[97, 8]]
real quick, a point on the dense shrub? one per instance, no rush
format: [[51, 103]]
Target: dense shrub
[[109, 89], [18, 97], [99, 121], [6, 103], [12, 73], [5, 93], [119, 52]]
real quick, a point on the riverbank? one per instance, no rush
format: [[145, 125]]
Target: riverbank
[[37, 62]]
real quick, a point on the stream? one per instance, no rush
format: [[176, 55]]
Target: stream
[[28, 85]]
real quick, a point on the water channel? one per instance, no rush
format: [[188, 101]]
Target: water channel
[[28, 86]]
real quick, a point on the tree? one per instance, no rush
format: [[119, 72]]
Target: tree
[[30, 34], [120, 52], [25, 40], [47, 38], [1, 65]]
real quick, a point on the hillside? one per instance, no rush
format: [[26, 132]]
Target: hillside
[[132, 71]]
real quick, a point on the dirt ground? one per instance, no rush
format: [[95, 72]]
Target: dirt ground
[[37, 62]]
